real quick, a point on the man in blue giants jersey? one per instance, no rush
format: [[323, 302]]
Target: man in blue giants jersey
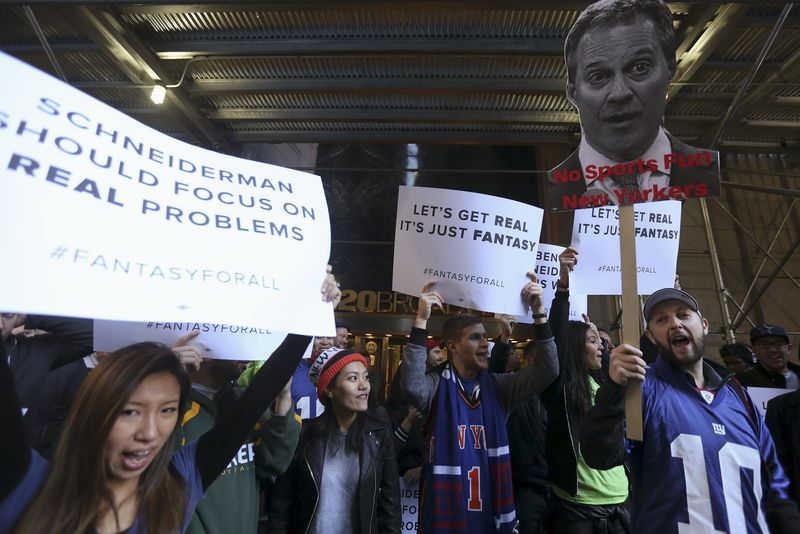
[[707, 463], [466, 476]]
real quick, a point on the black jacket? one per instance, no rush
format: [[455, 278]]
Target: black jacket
[[527, 429], [32, 358], [783, 421], [296, 494], [563, 422], [761, 377]]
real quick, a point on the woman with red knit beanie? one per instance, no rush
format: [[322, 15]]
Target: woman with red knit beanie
[[343, 478]]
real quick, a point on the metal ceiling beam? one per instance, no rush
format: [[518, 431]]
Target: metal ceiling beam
[[188, 49], [709, 39], [766, 123], [743, 105], [212, 6], [399, 136], [374, 85], [140, 65], [416, 115]]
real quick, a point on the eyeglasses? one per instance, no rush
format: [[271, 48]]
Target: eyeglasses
[[766, 345]]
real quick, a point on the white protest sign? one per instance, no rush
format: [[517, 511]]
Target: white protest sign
[[762, 396], [595, 235], [477, 247], [115, 220], [547, 271], [219, 341], [409, 506]]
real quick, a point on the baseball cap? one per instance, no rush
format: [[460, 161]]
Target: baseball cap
[[668, 293], [765, 330]]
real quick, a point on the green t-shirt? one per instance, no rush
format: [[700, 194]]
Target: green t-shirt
[[596, 486]]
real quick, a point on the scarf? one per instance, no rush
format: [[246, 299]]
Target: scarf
[[466, 483]]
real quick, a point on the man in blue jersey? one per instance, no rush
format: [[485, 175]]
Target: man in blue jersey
[[707, 463], [466, 477]]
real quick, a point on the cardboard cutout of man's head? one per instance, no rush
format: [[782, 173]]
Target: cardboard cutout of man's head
[[620, 57]]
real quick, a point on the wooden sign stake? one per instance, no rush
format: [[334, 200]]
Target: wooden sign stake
[[630, 316]]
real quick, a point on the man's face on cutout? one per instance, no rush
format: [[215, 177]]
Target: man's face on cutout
[[620, 88]]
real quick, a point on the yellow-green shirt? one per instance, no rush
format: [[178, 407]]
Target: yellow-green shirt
[[597, 486]]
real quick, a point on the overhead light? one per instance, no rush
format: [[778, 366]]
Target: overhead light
[[158, 94]]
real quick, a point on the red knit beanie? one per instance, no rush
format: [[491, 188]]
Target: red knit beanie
[[329, 364], [433, 343]]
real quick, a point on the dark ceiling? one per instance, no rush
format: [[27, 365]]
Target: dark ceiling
[[474, 72]]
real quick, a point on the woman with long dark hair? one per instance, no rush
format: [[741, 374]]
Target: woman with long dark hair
[[114, 470], [343, 478], [585, 500]]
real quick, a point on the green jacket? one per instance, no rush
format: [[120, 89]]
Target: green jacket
[[230, 505]]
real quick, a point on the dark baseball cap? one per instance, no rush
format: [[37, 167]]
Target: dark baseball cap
[[668, 293], [765, 330]]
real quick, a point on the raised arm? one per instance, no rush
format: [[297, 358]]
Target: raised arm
[[73, 338], [501, 351], [559, 324], [216, 447], [516, 388], [417, 386], [602, 436], [278, 435]]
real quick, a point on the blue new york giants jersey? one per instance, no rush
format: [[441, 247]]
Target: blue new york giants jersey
[[304, 394], [699, 468]]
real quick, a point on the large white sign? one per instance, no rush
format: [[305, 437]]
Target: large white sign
[[409, 507], [104, 217], [547, 271], [595, 235], [477, 247], [218, 341], [762, 396]]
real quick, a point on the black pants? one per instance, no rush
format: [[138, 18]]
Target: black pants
[[573, 518], [531, 507]]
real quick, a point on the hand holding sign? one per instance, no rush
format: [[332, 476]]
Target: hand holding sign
[[330, 288], [189, 355], [427, 300], [626, 364], [532, 295], [567, 261]]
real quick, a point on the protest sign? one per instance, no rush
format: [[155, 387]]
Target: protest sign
[[219, 341], [625, 155], [115, 220], [547, 271], [477, 247], [595, 234], [409, 506], [762, 396]]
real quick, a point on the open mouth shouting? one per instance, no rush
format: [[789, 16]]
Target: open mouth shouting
[[136, 460], [680, 341]]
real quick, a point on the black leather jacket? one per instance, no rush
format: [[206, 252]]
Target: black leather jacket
[[294, 499]]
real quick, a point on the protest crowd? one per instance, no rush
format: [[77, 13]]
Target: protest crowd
[[153, 438], [484, 436]]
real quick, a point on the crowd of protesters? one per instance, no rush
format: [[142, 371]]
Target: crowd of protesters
[[157, 439]]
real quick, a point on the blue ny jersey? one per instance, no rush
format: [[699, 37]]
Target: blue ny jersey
[[304, 394], [699, 468]]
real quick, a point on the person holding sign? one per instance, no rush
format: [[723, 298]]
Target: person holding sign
[[466, 483], [114, 470], [266, 452], [343, 478], [707, 462], [583, 497], [620, 57]]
